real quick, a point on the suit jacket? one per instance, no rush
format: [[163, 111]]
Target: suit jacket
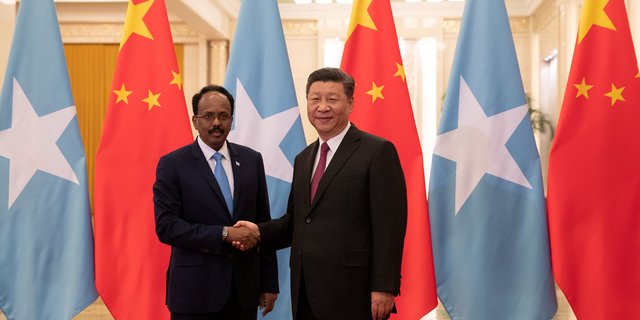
[[348, 242], [190, 212]]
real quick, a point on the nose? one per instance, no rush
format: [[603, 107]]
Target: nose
[[324, 106]]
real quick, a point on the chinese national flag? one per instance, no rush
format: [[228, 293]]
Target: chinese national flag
[[146, 118], [382, 107], [594, 171]]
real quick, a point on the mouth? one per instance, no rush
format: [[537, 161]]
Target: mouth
[[324, 119], [216, 132]]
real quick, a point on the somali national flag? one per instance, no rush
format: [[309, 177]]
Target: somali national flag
[[46, 241], [486, 199], [267, 117]]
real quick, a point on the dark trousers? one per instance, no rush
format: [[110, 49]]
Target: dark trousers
[[304, 308], [231, 311]]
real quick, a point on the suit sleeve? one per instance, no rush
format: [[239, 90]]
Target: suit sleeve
[[268, 258], [171, 228], [277, 233], [388, 203]]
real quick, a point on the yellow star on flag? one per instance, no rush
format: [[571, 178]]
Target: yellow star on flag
[[376, 92], [615, 94], [177, 79], [133, 21], [122, 94], [583, 89], [152, 100], [593, 13], [360, 16], [638, 75], [400, 71]]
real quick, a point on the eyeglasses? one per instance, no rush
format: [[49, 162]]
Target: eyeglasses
[[211, 116]]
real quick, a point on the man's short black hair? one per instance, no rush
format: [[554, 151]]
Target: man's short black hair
[[212, 87], [333, 75]]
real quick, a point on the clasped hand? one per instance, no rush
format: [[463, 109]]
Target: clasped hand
[[242, 237], [252, 235]]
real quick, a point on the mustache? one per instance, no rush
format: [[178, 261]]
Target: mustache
[[216, 128]]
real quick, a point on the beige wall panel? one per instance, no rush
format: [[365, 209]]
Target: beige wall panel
[[633, 9], [522, 43], [450, 41], [7, 25], [306, 54], [303, 59], [219, 58], [190, 75]]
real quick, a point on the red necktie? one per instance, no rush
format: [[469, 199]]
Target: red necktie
[[319, 169]]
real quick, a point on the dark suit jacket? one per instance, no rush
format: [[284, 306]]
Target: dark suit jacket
[[349, 241], [190, 212]]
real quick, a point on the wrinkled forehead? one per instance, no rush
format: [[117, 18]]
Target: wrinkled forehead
[[326, 88]]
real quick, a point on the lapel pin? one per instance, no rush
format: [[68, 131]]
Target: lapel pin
[[237, 163]]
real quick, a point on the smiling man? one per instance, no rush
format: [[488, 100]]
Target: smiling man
[[201, 190], [347, 213]]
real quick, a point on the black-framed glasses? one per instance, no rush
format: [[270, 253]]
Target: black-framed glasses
[[211, 116]]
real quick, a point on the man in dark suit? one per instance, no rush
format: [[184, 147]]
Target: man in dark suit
[[347, 212], [194, 211]]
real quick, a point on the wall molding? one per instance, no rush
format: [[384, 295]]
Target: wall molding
[[112, 32], [451, 26], [545, 13], [300, 28]]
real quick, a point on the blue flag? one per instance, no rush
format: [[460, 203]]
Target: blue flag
[[486, 198], [46, 241], [267, 117]]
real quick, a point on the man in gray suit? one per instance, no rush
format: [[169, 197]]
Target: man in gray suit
[[347, 212]]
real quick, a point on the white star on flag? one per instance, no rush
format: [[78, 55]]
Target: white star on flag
[[30, 143], [478, 145], [263, 135]]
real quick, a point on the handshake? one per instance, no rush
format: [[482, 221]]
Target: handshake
[[244, 235]]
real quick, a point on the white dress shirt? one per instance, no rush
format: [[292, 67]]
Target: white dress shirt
[[226, 160], [333, 144]]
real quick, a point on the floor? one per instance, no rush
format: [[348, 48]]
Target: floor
[[564, 310], [98, 311]]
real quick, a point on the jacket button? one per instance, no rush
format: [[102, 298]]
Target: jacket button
[[308, 220], [299, 254], [230, 255]]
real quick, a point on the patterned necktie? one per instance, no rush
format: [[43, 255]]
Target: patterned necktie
[[223, 181], [322, 163]]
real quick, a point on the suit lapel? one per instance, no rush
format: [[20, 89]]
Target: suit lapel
[[307, 171], [236, 167], [347, 147], [202, 165]]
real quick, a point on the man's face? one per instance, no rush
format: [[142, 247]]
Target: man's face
[[328, 108], [213, 131]]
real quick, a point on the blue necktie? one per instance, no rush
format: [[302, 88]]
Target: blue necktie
[[223, 182]]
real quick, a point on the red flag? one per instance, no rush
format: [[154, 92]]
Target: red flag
[[146, 118], [382, 107], [594, 180]]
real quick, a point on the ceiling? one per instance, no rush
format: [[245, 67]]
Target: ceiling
[[211, 17]]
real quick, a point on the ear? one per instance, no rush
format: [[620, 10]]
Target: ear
[[350, 102], [193, 120]]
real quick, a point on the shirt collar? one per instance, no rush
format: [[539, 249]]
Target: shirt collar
[[334, 142], [208, 151]]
